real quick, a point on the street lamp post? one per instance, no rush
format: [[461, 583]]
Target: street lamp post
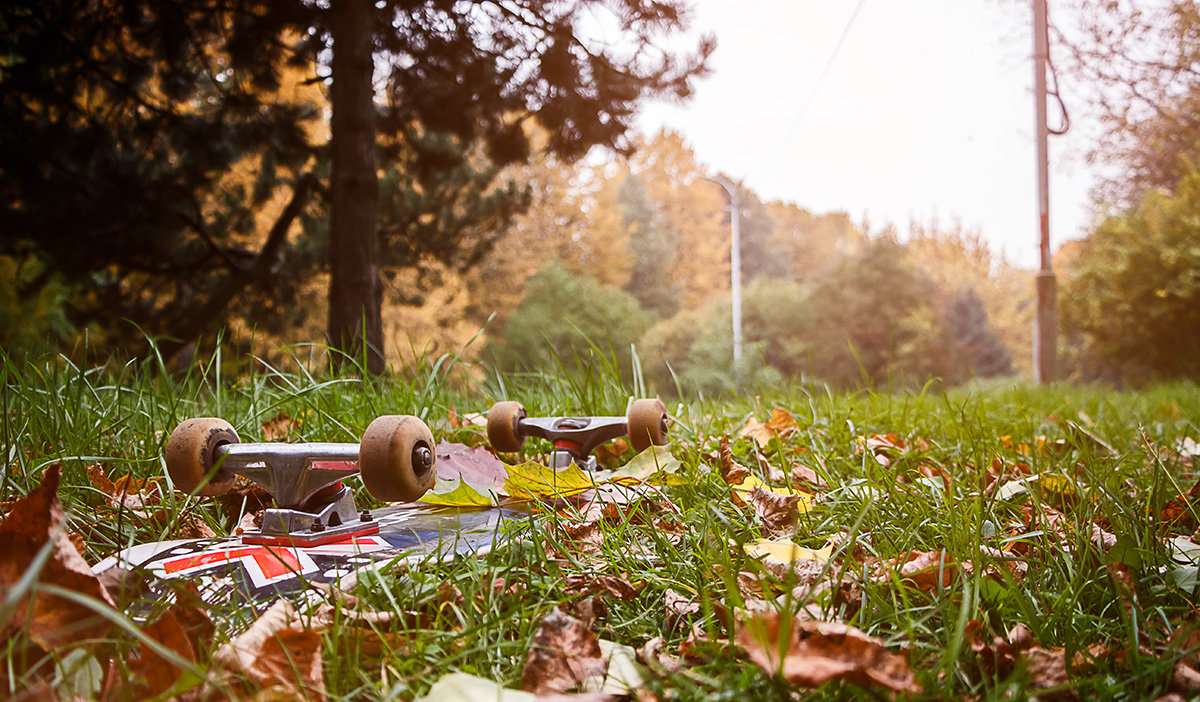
[[1046, 321], [735, 263]]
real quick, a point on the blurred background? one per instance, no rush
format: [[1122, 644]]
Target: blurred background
[[534, 184]]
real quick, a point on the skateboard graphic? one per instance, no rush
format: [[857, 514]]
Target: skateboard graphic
[[313, 533], [575, 438]]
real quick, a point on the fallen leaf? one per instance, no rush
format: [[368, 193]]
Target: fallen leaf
[[160, 673], [732, 472], [1047, 670], [812, 653], [52, 621], [777, 512], [772, 473], [463, 687], [470, 419], [657, 465], [466, 476], [680, 605], [786, 551], [290, 661], [622, 675], [608, 454], [660, 663], [620, 588], [885, 448], [277, 653], [280, 427], [562, 654], [473, 476], [804, 475], [925, 570], [781, 424]]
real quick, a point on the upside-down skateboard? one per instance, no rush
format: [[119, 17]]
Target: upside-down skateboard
[[575, 438], [313, 533]]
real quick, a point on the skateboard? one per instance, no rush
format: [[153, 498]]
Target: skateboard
[[313, 533], [574, 438]]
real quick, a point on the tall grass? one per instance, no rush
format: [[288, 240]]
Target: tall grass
[[119, 416]]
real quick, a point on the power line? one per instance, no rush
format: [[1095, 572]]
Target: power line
[[777, 149]]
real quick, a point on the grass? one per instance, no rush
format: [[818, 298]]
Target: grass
[[119, 416]]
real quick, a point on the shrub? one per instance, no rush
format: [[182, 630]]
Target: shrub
[[569, 318]]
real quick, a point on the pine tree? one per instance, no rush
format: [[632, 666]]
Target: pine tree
[[118, 119]]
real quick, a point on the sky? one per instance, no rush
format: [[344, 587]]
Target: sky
[[925, 112]]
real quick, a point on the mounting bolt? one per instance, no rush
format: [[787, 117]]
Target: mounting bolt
[[365, 516], [422, 459], [318, 526]]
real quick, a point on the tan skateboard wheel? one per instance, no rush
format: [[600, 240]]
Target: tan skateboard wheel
[[503, 431], [396, 458], [191, 455], [647, 421]]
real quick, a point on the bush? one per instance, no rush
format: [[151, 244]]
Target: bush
[[1132, 294], [569, 318], [874, 321], [695, 347]]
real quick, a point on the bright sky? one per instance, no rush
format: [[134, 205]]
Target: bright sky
[[925, 111]]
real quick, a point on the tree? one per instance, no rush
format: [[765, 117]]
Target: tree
[[652, 247], [695, 347], [355, 291], [1137, 66], [813, 244], [1133, 289], [564, 318], [875, 320], [157, 100], [976, 349], [125, 132], [764, 251], [693, 212]]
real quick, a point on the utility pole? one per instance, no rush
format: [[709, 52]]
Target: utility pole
[[735, 263], [1046, 323]]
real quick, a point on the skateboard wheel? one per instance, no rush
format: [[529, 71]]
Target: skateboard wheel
[[503, 429], [191, 455], [647, 421], [396, 458]]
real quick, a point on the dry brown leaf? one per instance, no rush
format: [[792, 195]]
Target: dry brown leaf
[[470, 419], [769, 470], [1047, 669], [609, 453], [817, 652], [564, 652], [1057, 523], [778, 513], [680, 605], [1126, 590], [781, 424], [1185, 677], [52, 621], [291, 662], [803, 475], [620, 588], [280, 427], [924, 570], [159, 673], [732, 472], [277, 653], [662, 664], [885, 448]]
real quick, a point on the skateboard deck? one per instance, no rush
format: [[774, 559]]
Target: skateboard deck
[[232, 571]]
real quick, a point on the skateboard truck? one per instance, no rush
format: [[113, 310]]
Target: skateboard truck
[[575, 438], [395, 458]]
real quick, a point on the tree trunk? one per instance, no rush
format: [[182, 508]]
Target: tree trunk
[[355, 291]]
